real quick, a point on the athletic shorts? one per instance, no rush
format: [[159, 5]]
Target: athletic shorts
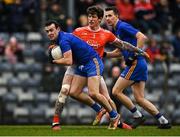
[[93, 67], [70, 70], [137, 71]]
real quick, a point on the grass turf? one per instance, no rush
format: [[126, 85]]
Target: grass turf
[[85, 130]]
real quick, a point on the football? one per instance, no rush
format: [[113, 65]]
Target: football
[[55, 52]]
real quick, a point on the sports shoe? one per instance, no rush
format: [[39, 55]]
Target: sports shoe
[[56, 127], [56, 124], [164, 126], [99, 115], [114, 122], [124, 126], [138, 121]]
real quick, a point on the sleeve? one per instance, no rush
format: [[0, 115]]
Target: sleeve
[[65, 46], [111, 37], [130, 29], [76, 32]]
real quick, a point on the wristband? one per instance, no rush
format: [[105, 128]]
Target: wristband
[[140, 51]]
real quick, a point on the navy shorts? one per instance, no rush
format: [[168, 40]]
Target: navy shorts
[[137, 71], [93, 67]]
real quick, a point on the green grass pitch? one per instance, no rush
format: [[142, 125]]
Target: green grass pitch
[[28, 130]]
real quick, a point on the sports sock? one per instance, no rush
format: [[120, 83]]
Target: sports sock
[[56, 119], [58, 110], [136, 112], [161, 118], [96, 107], [113, 114]]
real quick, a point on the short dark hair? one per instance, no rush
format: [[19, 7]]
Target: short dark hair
[[95, 10], [114, 9], [49, 22]]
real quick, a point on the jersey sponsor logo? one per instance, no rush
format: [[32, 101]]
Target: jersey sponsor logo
[[93, 43], [84, 33]]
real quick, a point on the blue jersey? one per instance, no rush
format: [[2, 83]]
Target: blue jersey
[[137, 69], [126, 32], [81, 51]]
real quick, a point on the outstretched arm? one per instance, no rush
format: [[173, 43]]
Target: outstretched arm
[[127, 46], [113, 54]]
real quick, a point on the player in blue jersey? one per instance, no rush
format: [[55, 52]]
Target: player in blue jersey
[[97, 38], [89, 67], [135, 74]]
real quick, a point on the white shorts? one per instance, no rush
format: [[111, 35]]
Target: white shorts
[[70, 70]]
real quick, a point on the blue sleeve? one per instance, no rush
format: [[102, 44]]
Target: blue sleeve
[[127, 28], [65, 46]]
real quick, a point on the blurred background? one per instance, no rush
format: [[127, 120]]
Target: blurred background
[[29, 85]]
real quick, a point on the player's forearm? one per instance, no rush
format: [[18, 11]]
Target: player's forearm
[[113, 54], [63, 61], [130, 47], [141, 39], [127, 46]]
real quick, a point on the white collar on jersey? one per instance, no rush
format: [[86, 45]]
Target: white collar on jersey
[[94, 30]]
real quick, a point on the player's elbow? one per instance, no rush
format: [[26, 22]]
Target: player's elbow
[[145, 38], [141, 36]]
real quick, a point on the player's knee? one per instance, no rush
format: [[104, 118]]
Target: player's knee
[[116, 91], [63, 93], [93, 95], [73, 94]]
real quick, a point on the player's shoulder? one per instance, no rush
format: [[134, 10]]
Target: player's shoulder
[[122, 25], [79, 29], [105, 31], [65, 36]]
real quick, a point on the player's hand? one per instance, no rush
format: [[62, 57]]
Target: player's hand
[[49, 53], [56, 61], [51, 46]]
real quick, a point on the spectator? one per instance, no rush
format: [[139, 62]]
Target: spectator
[[154, 2], [82, 5], [153, 50], [175, 10], [110, 2], [82, 21], [32, 8], [126, 10], [14, 51], [163, 14], [166, 52], [2, 47], [145, 14], [56, 13], [16, 18], [3, 17], [176, 46], [69, 25]]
